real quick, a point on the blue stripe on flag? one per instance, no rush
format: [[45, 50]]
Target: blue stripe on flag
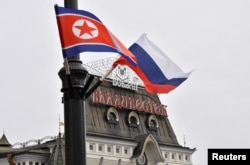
[[62, 10], [151, 69]]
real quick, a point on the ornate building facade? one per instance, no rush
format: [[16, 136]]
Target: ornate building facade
[[125, 125]]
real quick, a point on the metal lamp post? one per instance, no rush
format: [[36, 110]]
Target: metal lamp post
[[74, 113]]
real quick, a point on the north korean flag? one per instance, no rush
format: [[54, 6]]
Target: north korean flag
[[81, 31]]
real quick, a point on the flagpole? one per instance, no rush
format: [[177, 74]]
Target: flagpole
[[66, 66], [99, 81], [86, 86], [67, 71], [73, 76]]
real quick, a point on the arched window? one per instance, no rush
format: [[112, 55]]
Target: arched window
[[153, 122], [133, 119], [112, 115]]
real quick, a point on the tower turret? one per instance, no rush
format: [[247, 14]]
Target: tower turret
[[4, 141]]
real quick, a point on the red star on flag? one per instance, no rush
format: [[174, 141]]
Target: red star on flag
[[85, 28]]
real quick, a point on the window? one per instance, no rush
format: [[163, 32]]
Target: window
[[36, 163], [100, 148], [166, 155], [30, 163], [92, 147], [187, 158], [126, 151], [153, 122], [173, 157], [117, 150], [133, 119], [112, 116], [180, 157], [109, 149]]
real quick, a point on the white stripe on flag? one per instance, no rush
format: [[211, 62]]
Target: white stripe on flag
[[167, 66]]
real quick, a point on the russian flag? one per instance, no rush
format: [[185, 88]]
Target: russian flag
[[158, 72], [81, 31]]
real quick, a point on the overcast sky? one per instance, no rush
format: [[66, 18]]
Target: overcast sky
[[211, 108]]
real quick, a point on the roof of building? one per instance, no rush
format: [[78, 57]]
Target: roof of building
[[37, 149], [57, 156], [4, 141], [98, 122]]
